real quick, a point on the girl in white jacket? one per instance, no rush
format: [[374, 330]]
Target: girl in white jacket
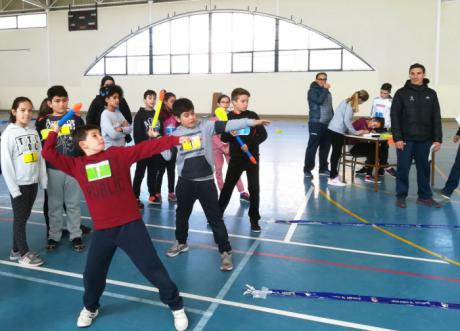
[[23, 168]]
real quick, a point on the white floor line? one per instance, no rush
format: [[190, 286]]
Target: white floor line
[[213, 300], [228, 284], [297, 216], [294, 243], [106, 293]]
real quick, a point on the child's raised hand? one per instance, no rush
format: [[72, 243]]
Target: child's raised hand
[[262, 122], [55, 127], [152, 133], [233, 133], [244, 148]]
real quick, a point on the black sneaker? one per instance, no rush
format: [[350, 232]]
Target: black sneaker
[[85, 229], [52, 244], [362, 171], [308, 175], [77, 244], [255, 227]]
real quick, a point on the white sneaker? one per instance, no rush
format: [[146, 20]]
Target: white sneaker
[[226, 263], [14, 256], [31, 259], [180, 320], [335, 182], [86, 318]]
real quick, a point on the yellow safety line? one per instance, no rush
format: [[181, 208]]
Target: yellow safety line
[[408, 242], [445, 177]]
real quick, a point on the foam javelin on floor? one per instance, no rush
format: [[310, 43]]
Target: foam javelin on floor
[[264, 292], [383, 225]]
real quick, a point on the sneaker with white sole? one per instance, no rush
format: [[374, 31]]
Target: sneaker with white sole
[[86, 317], [14, 256], [176, 249], [31, 259], [370, 179], [180, 320], [391, 172], [335, 182], [226, 263]]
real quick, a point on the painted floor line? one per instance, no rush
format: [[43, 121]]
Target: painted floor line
[[322, 262], [389, 233], [229, 303], [294, 243], [300, 211], [226, 288], [106, 293]]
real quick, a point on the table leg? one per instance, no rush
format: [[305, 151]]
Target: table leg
[[344, 162], [376, 166]]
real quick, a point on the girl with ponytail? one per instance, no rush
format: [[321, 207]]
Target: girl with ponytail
[[340, 125]]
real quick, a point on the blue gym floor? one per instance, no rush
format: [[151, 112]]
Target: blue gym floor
[[409, 263]]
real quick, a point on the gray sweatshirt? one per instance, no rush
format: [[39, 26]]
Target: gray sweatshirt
[[342, 120], [195, 161], [22, 162], [110, 120]]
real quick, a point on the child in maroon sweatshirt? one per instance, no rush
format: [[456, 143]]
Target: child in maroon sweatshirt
[[104, 177]]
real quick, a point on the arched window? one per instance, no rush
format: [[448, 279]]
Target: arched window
[[223, 41]]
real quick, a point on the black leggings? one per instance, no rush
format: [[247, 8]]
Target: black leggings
[[337, 140], [22, 207]]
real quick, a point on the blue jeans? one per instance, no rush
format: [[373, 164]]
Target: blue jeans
[[318, 138], [454, 176], [418, 151]]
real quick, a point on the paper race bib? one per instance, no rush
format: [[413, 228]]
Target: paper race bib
[[65, 131], [30, 157], [98, 171], [194, 144]]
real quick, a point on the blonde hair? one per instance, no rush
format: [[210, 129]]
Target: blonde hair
[[360, 95]]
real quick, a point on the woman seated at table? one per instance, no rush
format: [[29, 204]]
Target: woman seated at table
[[360, 148]]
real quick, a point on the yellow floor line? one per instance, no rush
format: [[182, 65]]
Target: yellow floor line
[[408, 242], [443, 175]]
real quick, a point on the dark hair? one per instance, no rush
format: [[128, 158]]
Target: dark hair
[[169, 95], [81, 133], [113, 89], [149, 92], [15, 106], [381, 120], [182, 105], [319, 74], [44, 109], [56, 91], [417, 65], [106, 78], [219, 99], [164, 112], [386, 87], [239, 91]]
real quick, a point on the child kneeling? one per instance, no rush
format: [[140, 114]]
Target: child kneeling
[[104, 177]]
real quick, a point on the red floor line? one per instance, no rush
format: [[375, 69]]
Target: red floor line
[[352, 266], [330, 263]]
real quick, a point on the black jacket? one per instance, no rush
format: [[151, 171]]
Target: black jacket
[[415, 114], [142, 123], [257, 135]]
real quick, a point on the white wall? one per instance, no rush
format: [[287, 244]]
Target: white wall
[[388, 34]]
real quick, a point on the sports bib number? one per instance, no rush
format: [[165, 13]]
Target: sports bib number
[[98, 171], [30, 157], [194, 144], [65, 131]]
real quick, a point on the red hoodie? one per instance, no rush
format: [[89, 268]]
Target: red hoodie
[[105, 178]]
